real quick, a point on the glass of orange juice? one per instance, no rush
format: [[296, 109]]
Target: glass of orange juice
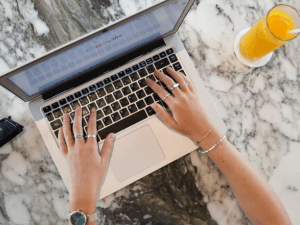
[[256, 44]]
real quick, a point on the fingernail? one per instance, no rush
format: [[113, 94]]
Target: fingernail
[[154, 106], [78, 107], [93, 110], [147, 79]]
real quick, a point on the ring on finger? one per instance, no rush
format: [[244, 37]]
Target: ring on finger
[[91, 136], [166, 97], [78, 135], [174, 86], [185, 83]]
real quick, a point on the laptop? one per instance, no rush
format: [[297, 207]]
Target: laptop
[[106, 69]]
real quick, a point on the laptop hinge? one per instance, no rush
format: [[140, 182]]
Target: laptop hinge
[[99, 70]]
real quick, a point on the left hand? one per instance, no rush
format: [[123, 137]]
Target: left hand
[[86, 167]]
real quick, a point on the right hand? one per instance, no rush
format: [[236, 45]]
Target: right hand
[[188, 115]]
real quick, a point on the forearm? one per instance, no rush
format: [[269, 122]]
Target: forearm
[[254, 194]]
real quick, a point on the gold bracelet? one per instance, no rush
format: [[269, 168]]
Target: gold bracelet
[[198, 142]]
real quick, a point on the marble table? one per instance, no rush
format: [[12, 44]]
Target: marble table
[[260, 108]]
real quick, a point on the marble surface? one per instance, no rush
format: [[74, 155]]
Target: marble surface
[[260, 108]]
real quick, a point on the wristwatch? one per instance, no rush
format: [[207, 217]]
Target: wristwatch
[[79, 218]]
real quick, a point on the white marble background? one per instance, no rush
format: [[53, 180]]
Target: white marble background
[[260, 108]]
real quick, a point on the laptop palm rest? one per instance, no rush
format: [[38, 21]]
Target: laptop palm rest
[[135, 152]]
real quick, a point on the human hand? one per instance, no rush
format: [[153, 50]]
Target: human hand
[[86, 167], [188, 115]]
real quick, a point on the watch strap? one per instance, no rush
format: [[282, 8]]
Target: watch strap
[[92, 217]]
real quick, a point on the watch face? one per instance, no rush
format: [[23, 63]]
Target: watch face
[[78, 218]]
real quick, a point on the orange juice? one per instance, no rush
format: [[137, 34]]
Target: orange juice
[[268, 34]]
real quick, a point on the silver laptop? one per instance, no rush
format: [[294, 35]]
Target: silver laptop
[[106, 69]]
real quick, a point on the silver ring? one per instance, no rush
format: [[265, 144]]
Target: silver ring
[[185, 83], [91, 136], [174, 86], [78, 135], [166, 97]]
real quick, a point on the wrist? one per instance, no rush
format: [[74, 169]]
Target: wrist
[[86, 204], [208, 141]]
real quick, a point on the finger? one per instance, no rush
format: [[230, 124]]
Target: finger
[[190, 84], [67, 130], [77, 125], [61, 140], [92, 130], [166, 117], [161, 92], [179, 79], [168, 81], [106, 149]]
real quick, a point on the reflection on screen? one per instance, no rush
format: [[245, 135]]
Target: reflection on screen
[[99, 49]]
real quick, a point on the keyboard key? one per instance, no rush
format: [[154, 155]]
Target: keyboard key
[[99, 114], [100, 84], [132, 98], [140, 104], [109, 88], [162, 63], [70, 98], [121, 74], [173, 58], [182, 71], [56, 124], [62, 101], [150, 111], [166, 72], [99, 125], [123, 124], [92, 87], [124, 102], [74, 104], [87, 118], [115, 116], [149, 100], [92, 105], [150, 69], [142, 83], [106, 80], [107, 121], [84, 111], [115, 106], [66, 109], [85, 91], [151, 77], [142, 64], [109, 98], [50, 117], [126, 80], [107, 110], [72, 115], [140, 94], [101, 92], [124, 112], [56, 133], [143, 73], [135, 67], [47, 109], [155, 58], [134, 87], [128, 70], [148, 90], [77, 94], [134, 76], [118, 84], [57, 113], [92, 96], [55, 105], [84, 101], [83, 123], [114, 77], [156, 97], [162, 54], [126, 90], [100, 103], [118, 95], [170, 51], [149, 61], [132, 108], [177, 66]]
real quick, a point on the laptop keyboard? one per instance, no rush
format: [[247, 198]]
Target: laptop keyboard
[[120, 101]]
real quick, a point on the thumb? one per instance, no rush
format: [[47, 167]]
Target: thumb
[[106, 149], [164, 115]]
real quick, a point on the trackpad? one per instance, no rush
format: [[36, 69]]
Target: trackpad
[[135, 152]]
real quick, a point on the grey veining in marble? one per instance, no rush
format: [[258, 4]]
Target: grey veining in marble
[[260, 108]]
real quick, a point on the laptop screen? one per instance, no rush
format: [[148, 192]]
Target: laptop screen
[[99, 49]]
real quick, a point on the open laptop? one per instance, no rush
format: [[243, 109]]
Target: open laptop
[[106, 69]]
